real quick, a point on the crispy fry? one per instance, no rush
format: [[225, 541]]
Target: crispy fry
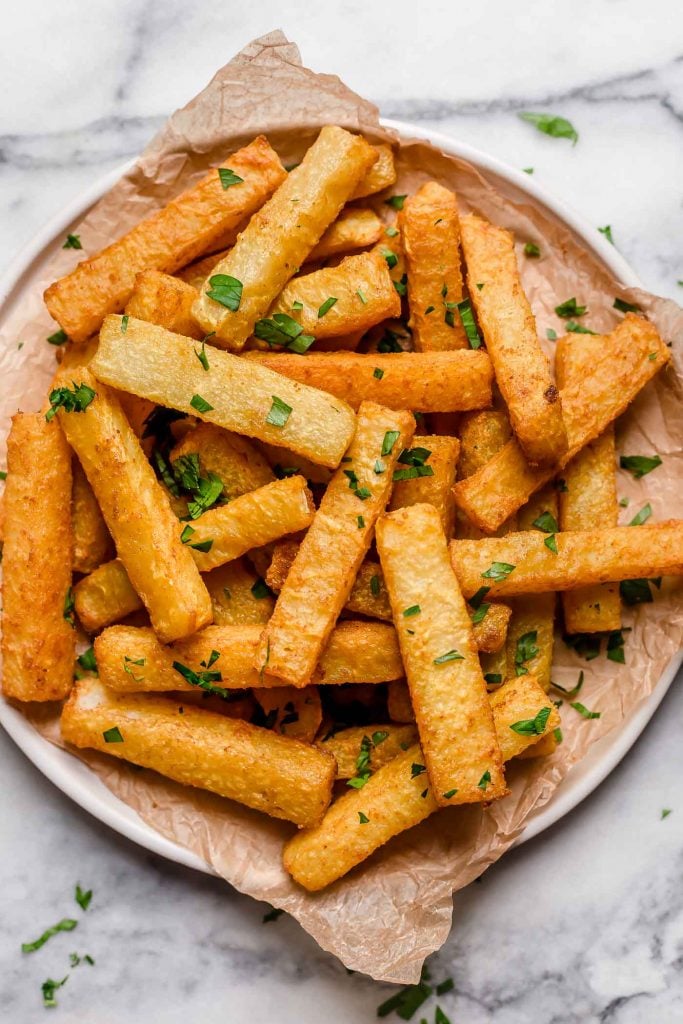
[[509, 329], [354, 228], [497, 490], [280, 236], [236, 461], [446, 684], [381, 742], [584, 557], [543, 748], [136, 511], [92, 541], [105, 596], [131, 659], [38, 641], [394, 798], [249, 521], [153, 362], [284, 461], [237, 596], [363, 291], [436, 489], [320, 580], [239, 704], [399, 705], [168, 239], [381, 174], [482, 435], [426, 381], [430, 230], [253, 766], [164, 300], [491, 632], [292, 712]]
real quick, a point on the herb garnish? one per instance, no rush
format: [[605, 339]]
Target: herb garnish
[[83, 897], [408, 1000], [260, 590], [67, 924], [525, 650], [326, 306], [615, 647], [374, 586], [68, 611], [72, 242], [283, 330], [60, 337], [584, 710], [77, 400], [467, 318], [493, 678], [639, 465], [396, 202], [575, 328], [360, 522], [204, 680], [200, 404], [413, 610], [390, 257], [484, 780], [416, 769], [532, 726], [451, 793], [551, 124], [226, 290], [127, 662], [87, 660], [229, 177], [279, 412], [202, 356], [113, 735], [531, 250], [390, 439], [378, 373], [451, 655], [498, 571], [642, 516], [200, 545], [638, 591], [607, 232], [48, 989], [124, 323], [625, 307], [272, 915], [570, 308]]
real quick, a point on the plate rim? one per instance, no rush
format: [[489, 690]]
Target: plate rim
[[73, 777]]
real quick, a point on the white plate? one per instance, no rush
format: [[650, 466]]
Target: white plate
[[78, 782]]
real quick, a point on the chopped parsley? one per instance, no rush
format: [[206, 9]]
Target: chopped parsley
[[374, 586], [363, 769], [532, 726], [390, 439], [226, 290], [389, 342], [87, 660], [67, 924], [415, 459], [407, 1001], [615, 647], [72, 242], [204, 680], [607, 232], [570, 308], [378, 373], [493, 678], [361, 296], [546, 522], [586, 645], [479, 613], [642, 516], [391, 232], [484, 780], [200, 545], [204, 491], [525, 650], [574, 691], [260, 590], [666, 811], [202, 357], [83, 897], [638, 591], [497, 571], [550, 334], [279, 412], [390, 257], [228, 177], [447, 985], [451, 655], [200, 404], [326, 306], [584, 710], [68, 611], [551, 124], [283, 330], [360, 522], [575, 328], [639, 465], [127, 662], [113, 735], [467, 318], [60, 337], [49, 988], [396, 202], [362, 818], [625, 307], [124, 323], [413, 610], [361, 492], [531, 250], [450, 794], [64, 398], [416, 769], [402, 285]]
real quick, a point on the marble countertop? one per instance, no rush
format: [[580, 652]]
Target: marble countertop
[[585, 923]]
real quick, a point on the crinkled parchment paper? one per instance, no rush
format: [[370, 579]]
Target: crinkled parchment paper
[[388, 915]]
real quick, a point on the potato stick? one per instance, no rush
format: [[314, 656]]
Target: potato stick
[[92, 541], [491, 632], [253, 766], [341, 343], [446, 684], [196, 273], [105, 596], [292, 712], [321, 577], [238, 596], [437, 489], [584, 557], [138, 411], [380, 175], [497, 490], [234, 393], [266, 514], [543, 748], [482, 435], [390, 247], [509, 329], [135, 509], [354, 228], [399, 705], [361, 287], [494, 666], [379, 744], [430, 231], [394, 798], [164, 300], [284, 462], [279, 237], [239, 704], [168, 239], [425, 381], [132, 659], [38, 640], [237, 462]]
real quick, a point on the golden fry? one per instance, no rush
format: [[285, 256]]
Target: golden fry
[[236, 461], [360, 652], [38, 639], [435, 489], [446, 684], [399, 704], [509, 329], [379, 743], [136, 511], [380, 176], [430, 230], [237, 595], [321, 577], [621, 370], [164, 300], [253, 766], [168, 239], [424, 381], [491, 632], [292, 712], [279, 237], [354, 228], [234, 393], [92, 541], [105, 596], [394, 798]]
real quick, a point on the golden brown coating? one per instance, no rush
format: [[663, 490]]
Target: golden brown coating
[[435, 489], [92, 541], [292, 712], [167, 301]]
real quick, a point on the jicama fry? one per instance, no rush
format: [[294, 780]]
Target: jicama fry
[[256, 518], [394, 797], [284, 462], [425, 381], [509, 328], [490, 632], [131, 659], [376, 745], [135, 509], [418, 486], [233, 393], [543, 748], [253, 766], [238, 596], [292, 712], [233, 459], [363, 296], [280, 236], [321, 577], [497, 490], [105, 596], [399, 705], [430, 231], [164, 300], [354, 228], [168, 239], [446, 684], [381, 174], [38, 639], [92, 541], [584, 557], [482, 435]]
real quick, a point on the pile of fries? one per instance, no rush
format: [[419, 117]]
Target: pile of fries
[[303, 492]]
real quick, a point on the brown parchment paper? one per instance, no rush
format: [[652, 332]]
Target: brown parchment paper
[[389, 914]]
